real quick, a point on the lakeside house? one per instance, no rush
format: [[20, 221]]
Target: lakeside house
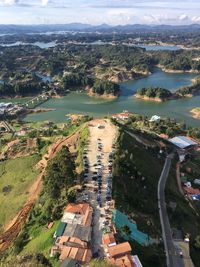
[[121, 116], [73, 235], [155, 118]]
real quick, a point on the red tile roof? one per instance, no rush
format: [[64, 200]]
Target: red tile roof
[[120, 249], [80, 254], [191, 190], [124, 261], [108, 239]]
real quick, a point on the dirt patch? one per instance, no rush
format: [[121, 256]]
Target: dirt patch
[[20, 148]]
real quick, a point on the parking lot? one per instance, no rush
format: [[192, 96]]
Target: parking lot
[[97, 160]]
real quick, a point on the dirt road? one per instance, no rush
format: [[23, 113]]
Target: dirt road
[[102, 133]]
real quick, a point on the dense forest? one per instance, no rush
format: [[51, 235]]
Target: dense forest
[[75, 66]]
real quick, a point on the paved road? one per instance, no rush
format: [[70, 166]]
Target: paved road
[[172, 251]]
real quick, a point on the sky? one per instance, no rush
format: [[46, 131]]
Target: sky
[[113, 12]]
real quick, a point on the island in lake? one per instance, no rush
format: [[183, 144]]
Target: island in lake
[[154, 94], [196, 113], [159, 94]]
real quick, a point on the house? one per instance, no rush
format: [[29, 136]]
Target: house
[[124, 261], [155, 118], [182, 142], [119, 250], [73, 234], [191, 191], [121, 116], [164, 136], [82, 255], [70, 241], [78, 213], [108, 240], [82, 232]]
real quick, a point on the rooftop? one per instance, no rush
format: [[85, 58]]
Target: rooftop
[[120, 249], [78, 231], [182, 142], [108, 239], [125, 261], [70, 241], [82, 255], [78, 214]]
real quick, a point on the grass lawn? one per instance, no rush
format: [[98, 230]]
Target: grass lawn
[[41, 239], [17, 174]]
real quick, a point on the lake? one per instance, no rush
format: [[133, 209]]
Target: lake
[[54, 44], [81, 103], [159, 47], [39, 44]]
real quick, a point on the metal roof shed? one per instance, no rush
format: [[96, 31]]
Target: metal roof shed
[[182, 142]]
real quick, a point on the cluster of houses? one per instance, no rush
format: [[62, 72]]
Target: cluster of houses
[[189, 190], [73, 240], [119, 254], [73, 235], [9, 109], [121, 116]]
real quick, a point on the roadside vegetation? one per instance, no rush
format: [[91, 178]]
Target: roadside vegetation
[[137, 169]]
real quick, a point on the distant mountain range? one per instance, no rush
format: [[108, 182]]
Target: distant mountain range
[[103, 28]]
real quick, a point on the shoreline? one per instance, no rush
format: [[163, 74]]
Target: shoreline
[[152, 99], [177, 71], [195, 113]]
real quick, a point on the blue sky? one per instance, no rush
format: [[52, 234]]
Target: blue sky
[[95, 12]]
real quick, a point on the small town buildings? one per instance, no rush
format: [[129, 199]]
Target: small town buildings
[[119, 254], [121, 116], [82, 255], [191, 190], [155, 118], [73, 234], [182, 142]]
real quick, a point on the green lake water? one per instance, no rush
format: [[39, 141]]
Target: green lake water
[[81, 103]]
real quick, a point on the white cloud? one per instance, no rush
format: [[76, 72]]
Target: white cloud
[[45, 2], [196, 19], [183, 17], [10, 2]]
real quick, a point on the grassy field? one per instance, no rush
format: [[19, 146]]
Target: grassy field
[[17, 175], [41, 239]]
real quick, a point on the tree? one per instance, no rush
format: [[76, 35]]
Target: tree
[[126, 230]]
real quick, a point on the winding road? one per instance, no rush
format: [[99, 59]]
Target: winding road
[[172, 251]]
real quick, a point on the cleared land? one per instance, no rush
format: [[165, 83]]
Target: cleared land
[[16, 179]]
